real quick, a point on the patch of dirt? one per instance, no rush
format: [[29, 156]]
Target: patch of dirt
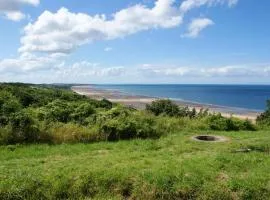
[[222, 177]]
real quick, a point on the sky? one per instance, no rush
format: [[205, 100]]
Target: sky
[[135, 41]]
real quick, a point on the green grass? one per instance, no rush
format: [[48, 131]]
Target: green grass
[[172, 167]]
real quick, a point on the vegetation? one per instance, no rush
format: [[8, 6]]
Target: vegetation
[[35, 114], [172, 167], [211, 121], [168, 108], [160, 162], [264, 118]]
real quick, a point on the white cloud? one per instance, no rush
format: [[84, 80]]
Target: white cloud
[[15, 15], [13, 5], [28, 62], [63, 31], [107, 49], [30, 68], [196, 26], [232, 2], [11, 8], [87, 69], [227, 71], [61, 72], [190, 4]]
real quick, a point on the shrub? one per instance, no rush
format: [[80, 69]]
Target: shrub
[[8, 103], [10, 107], [163, 106], [117, 129], [57, 110], [116, 112], [220, 123], [133, 126], [104, 103], [26, 97], [4, 136], [3, 121], [203, 113], [248, 125], [23, 128], [264, 118], [147, 126], [167, 107], [82, 111]]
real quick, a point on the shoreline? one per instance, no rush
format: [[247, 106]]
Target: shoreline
[[140, 101]]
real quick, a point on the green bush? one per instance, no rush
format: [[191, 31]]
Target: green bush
[[10, 107], [220, 123], [129, 126], [116, 112], [117, 129], [57, 110], [3, 121], [81, 112], [8, 104], [23, 128], [4, 136], [104, 103], [26, 97], [264, 118], [167, 107], [163, 106], [5, 96]]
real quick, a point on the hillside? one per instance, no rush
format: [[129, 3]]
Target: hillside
[[60, 145]]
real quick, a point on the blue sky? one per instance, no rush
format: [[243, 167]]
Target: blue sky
[[147, 41]]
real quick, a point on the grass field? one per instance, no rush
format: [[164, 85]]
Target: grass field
[[172, 167]]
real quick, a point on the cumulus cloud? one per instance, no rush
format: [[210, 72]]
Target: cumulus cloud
[[11, 8], [196, 26], [63, 31], [53, 35]]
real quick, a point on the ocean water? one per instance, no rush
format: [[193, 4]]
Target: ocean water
[[251, 97]]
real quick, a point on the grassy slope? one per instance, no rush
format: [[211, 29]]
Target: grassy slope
[[173, 167]]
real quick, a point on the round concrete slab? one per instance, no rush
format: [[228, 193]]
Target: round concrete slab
[[210, 138]]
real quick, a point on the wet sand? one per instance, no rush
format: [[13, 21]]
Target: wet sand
[[139, 102]]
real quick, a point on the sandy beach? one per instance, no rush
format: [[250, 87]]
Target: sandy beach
[[139, 102]]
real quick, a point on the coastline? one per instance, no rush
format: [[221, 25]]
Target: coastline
[[140, 101]]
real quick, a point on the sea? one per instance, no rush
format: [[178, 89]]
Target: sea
[[251, 97]]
